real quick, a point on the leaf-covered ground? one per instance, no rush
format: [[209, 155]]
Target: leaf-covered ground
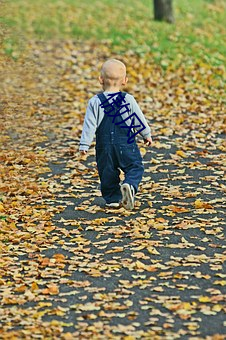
[[199, 29], [69, 268]]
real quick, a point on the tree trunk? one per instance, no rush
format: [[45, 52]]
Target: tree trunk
[[163, 10]]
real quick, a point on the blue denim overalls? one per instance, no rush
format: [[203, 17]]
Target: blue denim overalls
[[114, 153]]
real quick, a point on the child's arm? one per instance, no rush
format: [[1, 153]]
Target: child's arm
[[89, 128]]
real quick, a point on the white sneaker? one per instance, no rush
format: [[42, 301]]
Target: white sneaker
[[113, 205], [128, 194]]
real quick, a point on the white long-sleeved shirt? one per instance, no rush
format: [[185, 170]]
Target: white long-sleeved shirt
[[95, 113]]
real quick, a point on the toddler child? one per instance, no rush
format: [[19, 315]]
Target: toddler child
[[115, 118]]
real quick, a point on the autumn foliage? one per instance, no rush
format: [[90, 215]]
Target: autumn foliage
[[71, 269]]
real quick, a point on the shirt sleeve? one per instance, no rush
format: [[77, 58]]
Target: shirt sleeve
[[146, 132], [89, 127]]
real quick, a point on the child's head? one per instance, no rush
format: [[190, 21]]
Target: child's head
[[113, 75]]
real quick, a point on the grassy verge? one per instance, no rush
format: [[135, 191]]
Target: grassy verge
[[197, 33]]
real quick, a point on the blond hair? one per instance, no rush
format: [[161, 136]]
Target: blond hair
[[113, 71]]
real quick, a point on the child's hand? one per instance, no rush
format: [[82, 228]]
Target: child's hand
[[148, 141], [83, 152]]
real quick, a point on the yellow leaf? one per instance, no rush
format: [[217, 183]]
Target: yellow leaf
[[100, 221], [114, 250], [12, 225], [222, 282], [78, 239], [204, 299], [140, 265], [44, 304], [1, 208], [153, 251], [143, 151], [217, 308], [181, 154], [155, 161], [193, 326], [199, 204], [187, 305], [160, 227], [34, 286], [158, 289], [68, 336]]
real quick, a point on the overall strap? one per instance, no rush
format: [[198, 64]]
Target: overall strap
[[109, 128], [104, 99]]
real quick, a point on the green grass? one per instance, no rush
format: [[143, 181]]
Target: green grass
[[198, 31]]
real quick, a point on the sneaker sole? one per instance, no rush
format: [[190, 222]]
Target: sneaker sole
[[112, 205], [127, 197]]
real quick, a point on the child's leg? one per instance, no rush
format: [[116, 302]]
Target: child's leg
[[109, 172], [131, 163]]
